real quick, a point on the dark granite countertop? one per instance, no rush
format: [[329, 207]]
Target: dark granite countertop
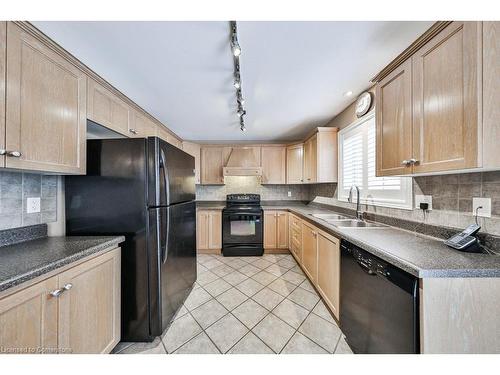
[[419, 254], [26, 260]]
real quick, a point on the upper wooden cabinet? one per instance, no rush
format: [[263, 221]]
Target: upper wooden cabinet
[[194, 150], [446, 75], [273, 160], [320, 156], [393, 118], [164, 134], [454, 71], [106, 109], [141, 126], [212, 162], [295, 164], [46, 107]]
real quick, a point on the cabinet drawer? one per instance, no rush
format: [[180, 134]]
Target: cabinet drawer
[[295, 223]]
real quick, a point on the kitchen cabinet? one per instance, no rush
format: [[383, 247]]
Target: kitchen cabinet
[[394, 122], [46, 107], [320, 156], [295, 164], [328, 278], [295, 237], [194, 150], [275, 229], [446, 75], [273, 160], [448, 81], [310, 251], [76, 310], [141, 126], [29, 319], [164, 134], [212, 162], [209, 231], [3, 57], [105, 108]]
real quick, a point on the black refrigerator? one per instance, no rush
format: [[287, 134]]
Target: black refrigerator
[[144, 189]]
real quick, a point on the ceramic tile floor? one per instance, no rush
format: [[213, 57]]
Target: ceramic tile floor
[[248, 305]]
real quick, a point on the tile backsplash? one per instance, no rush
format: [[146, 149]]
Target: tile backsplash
[[251, 184], [451, 200], [15, 187]]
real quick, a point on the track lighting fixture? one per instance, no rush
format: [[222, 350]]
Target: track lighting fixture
[[236, 49]]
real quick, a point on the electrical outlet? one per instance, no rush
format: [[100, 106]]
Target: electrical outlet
[[289, 194], [485, 203], [423, 199], [32, 205]]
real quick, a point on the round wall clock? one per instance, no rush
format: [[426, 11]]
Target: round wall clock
[[363, 103]]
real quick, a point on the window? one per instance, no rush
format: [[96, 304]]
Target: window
[[357, 167]]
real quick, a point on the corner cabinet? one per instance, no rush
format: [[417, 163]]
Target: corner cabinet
[[74, 311], [435, 110], [46, 107]]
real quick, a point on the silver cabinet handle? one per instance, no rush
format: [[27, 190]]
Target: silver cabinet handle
[[405, 162], [3, 152], [56, 293], [15, 154], [133, 131], [413, 161]]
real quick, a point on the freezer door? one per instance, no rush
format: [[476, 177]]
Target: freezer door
[[173, 261], [171, 174]]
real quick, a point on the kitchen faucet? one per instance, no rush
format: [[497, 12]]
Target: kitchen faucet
[[359, 214]]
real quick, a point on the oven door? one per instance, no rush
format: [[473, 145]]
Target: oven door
[[242, 227]]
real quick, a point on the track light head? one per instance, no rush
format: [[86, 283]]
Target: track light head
[[235, 46], [237, 83]]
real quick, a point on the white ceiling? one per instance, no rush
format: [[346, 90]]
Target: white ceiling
[[293, 74]]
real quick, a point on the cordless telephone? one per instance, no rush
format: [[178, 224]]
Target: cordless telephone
[[465, 240]]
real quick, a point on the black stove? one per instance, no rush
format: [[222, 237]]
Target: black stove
[[242, 226]]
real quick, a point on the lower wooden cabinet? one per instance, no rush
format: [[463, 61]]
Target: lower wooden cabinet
[[328, 281], [275, 229], [209, 231], [75, 311], [295, 237], [310, 251]]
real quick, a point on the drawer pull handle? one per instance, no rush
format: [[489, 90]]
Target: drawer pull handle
[[3, 152], [133, 131], [56, 293]]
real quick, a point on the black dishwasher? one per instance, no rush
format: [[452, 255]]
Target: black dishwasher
[[378, 305]]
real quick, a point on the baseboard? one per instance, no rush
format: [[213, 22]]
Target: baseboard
[[208, 251], [276, 251]]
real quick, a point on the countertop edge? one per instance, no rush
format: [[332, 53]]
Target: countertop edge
[[25, 277]]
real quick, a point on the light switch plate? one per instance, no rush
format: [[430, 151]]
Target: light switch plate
[[289, 194], [423, 199], [32, 205], [485, 211]]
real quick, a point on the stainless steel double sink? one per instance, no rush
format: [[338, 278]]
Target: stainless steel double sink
[[342, 221]]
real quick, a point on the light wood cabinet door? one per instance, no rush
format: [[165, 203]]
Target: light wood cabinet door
[[164, 134], [105, 108], [211, 166], [215, 229], [194, 150], [28, 319], [295, 164], [310, 159], [491, 93], [141, 126], [282, 230], [273, 161], [202, 230], [46, 101], [89, 312], [446, 99], [329, 270], [3, 56], [394, 122], [326, 166], [270, 230], [310, 251]]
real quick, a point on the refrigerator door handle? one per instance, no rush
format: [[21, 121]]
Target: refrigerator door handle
[[166, 178], [165, 248]]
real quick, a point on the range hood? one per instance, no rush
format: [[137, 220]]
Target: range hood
[[243, 161]]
